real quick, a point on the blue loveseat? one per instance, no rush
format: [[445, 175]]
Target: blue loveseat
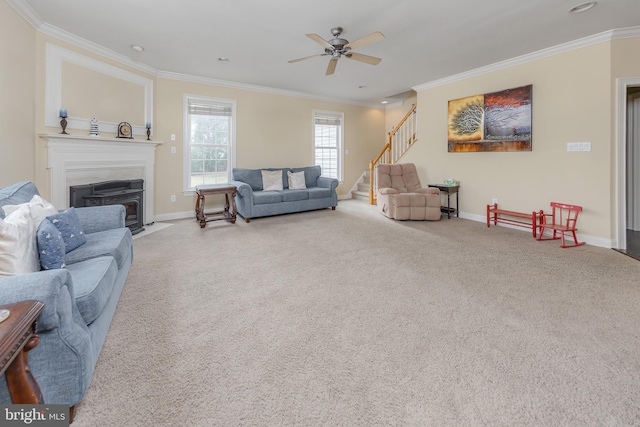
[[79, 300], [253, 202]]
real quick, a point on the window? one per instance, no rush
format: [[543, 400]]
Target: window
[[328, 135], [209, 141]]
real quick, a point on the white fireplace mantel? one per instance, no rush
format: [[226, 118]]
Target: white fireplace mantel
[[75, 160]]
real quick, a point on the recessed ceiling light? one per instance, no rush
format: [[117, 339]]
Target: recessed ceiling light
[[137, 48], [223, 59], [385, 102], [583, 7]]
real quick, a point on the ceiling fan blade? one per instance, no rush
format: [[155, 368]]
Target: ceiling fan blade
[[363, 58], [332, 66], [371, 38], [316, 38], [306, 57]]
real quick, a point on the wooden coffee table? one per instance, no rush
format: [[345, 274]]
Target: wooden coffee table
[[229, 211], [17, 337]]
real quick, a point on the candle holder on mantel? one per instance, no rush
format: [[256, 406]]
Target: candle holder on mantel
[[63, 125], [148, 126]]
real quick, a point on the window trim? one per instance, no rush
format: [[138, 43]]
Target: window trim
[[186, 137], [340, 147]]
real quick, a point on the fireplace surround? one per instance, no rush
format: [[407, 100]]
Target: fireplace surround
[[77, 160]]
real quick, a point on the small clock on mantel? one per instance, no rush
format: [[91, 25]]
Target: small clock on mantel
[[124, 130]]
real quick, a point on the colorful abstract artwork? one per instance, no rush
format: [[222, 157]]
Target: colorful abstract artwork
[[498, 121]]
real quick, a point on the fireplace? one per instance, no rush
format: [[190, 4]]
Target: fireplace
[[128, 193]]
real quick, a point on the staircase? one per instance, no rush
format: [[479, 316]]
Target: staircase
[[401, 139], [362, 188]]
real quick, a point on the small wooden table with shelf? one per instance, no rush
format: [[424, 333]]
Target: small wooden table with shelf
[[17, 337], [449, 189], [227, 213]]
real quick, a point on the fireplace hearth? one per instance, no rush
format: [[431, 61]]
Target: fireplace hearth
[[128, 193]]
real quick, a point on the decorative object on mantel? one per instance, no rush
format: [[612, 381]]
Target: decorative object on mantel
[[124, 130], [148, 126], [4, 314], [94, 127], [63, 122]]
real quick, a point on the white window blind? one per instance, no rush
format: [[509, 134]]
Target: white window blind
[[328, 143], [210, 140]]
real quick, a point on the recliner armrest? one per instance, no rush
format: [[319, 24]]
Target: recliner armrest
[[429, 190], [388, 191]]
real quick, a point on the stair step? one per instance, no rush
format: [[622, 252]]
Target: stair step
[[360, 195], [363, 187]]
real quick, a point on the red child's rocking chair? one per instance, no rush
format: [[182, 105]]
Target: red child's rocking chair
[[561, 220]]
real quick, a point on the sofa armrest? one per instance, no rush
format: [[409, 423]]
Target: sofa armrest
[[54, 288], [387, 191], [242, 188], [325, 182], [101, 218]]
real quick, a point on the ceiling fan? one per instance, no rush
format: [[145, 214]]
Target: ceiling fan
[[337, 48]]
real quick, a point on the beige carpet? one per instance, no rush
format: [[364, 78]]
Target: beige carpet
[[347, 318]]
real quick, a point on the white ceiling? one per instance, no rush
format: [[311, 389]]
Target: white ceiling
[[425, 40]]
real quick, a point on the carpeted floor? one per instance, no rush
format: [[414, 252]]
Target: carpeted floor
[[347, 318]]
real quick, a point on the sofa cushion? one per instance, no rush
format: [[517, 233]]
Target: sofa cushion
[[38, 207], [271, 180], [18, 249], [115, 242], [93, 284], [266, 197], [15, 194], [311, 174], [318, 192], [294, 195], [51, 248], [253, 177], [70, 227], [296, 180]]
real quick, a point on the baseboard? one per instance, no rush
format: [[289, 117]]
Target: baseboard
[[175, 215], [590, 240]]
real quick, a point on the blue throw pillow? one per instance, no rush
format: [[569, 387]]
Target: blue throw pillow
[[68, 223], [50, 246]]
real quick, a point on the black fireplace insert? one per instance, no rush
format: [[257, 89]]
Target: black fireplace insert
[[128, 193]]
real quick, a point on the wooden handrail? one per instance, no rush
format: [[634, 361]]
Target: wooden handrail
[[388, 149]]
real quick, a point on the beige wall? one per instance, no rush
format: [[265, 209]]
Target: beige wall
[[17, 97], [571, 103], [271, 131]]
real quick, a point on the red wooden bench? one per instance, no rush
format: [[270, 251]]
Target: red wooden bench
[[518, 219]]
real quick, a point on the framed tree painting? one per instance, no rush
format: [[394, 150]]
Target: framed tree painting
[[498, 121]]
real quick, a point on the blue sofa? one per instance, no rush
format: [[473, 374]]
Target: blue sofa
[[253, 202], [79, 300]]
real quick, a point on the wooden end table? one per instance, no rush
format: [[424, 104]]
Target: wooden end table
[[227, 213], [17, 337], [449, 189]]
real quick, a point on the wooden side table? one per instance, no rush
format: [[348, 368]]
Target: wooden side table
[[227, 213], [17, 337], [449, 189]]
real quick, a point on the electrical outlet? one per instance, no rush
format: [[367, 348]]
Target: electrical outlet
[[173, 136], [173, 150], [494, 201], [173, 198]]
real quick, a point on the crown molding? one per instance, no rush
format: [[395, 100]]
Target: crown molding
[[255, 88], [543, 53], [26, 11]]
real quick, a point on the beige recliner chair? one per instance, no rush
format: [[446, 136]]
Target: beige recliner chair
[[400, 195]]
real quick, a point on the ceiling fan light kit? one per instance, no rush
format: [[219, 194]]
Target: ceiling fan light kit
[[338, 47]]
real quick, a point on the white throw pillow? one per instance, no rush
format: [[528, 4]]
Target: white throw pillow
[[296, 180], [271, 180], [39, 208], [18, 248]]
